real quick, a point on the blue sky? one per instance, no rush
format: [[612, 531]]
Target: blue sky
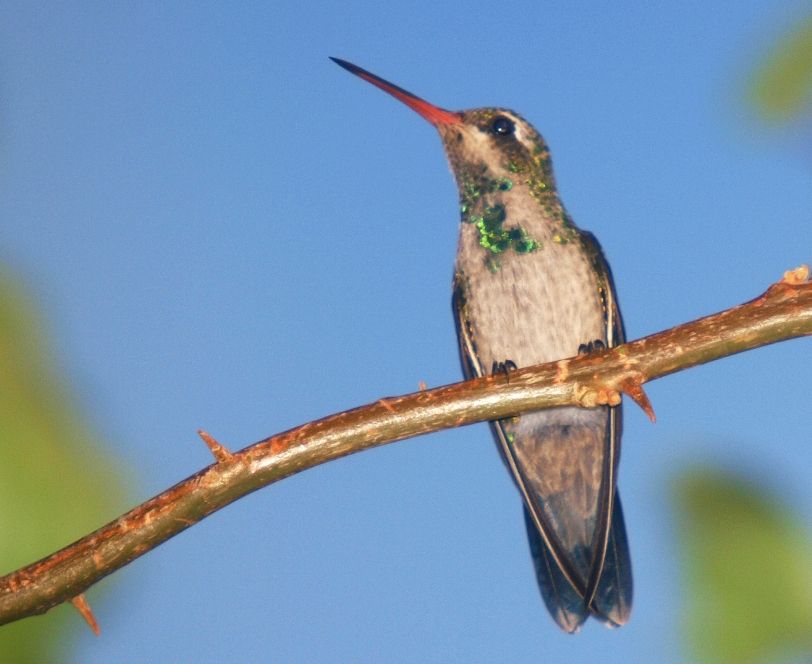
[[227, 231]]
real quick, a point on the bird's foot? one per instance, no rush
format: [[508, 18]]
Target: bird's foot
[[504, 368], [591, 347]]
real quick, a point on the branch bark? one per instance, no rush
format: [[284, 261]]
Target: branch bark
[[783, 312]]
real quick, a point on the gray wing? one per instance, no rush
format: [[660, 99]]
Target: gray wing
[[577, 538], [612, 599]]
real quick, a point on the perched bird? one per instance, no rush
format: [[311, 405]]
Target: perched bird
[[529, 287]]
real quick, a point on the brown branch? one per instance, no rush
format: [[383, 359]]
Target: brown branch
[[783, 312]]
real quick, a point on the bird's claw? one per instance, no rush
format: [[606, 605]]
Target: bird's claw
[[504, 368], [591, 347]]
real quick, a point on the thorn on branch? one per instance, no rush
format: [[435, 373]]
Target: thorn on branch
[[220, 452], [634, 388], [81, 605]]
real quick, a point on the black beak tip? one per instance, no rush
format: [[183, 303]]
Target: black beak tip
[[346, 65]]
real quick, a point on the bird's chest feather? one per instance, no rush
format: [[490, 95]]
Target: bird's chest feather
[[529, 307]]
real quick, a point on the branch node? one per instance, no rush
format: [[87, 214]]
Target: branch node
[[80, 604], [633, 386], [220, 452], [796, 277], [589, 397], [387, 406]]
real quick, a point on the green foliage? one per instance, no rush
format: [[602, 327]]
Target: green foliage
[[781, 89], [54, 484], [748, 572]]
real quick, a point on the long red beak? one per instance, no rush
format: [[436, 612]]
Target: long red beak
[[432, 113]]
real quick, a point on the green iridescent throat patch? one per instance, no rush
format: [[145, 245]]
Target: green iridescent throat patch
[[493, 234], [496, 238]]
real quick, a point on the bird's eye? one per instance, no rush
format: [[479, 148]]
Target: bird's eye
[[502, 126]]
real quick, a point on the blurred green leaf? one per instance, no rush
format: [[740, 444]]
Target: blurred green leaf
[[782, 86], [55, 485], [748, 568]]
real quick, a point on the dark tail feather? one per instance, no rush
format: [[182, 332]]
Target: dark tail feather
[[613, 598], [564, 604]]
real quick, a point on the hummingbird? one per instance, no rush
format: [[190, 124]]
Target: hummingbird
[[530, 287]]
